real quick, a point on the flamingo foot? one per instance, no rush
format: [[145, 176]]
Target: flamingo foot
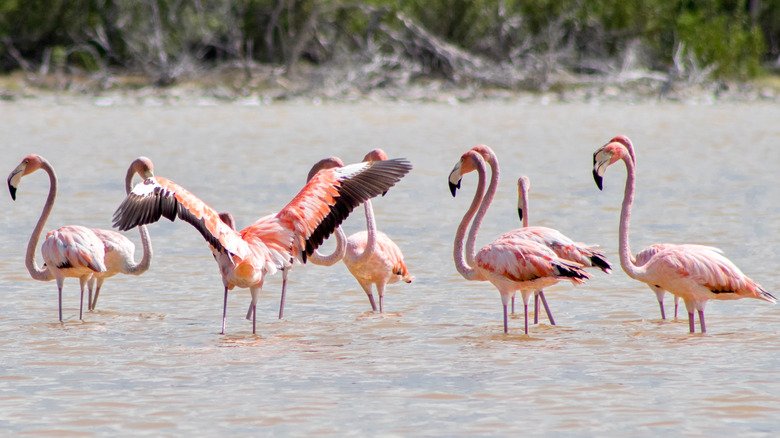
[[536, 308], [701, 322], [547, 308], [691, 324]]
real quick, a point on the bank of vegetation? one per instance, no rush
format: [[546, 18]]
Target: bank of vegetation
[[346, 46]]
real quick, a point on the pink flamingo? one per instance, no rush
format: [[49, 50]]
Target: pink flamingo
[[371, 256], [646, 254], [509, 263], [564, 247], [274, 241], [695, 273], [119, 249], [69, 251]]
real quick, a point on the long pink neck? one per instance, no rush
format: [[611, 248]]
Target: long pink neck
[[338, 253], [491, 192], [464, 268], [146, 242], [371, 231], [626, 259], [32, 266], [524, 205]]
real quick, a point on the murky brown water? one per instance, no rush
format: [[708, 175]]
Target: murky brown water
[[151, 361]]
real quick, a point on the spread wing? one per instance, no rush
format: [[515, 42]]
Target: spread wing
[[158, 197], [328, 198]]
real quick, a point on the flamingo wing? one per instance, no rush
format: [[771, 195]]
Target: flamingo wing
[[563, 246], [328, 198], [157, 197], [73, 246], [525, 260], [708, 267]]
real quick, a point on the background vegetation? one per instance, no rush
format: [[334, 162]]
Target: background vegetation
[[505, 43]]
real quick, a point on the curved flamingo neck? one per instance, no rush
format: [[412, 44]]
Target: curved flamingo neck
[[464, 268], [524, 204], [370, 231], [146, 241], [487, 200], [626, 259], [32, 266], [338, 253]]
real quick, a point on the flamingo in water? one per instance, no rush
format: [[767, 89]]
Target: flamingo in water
[[274, 241], [564, 247], [511, 264], [315, 258], [695, 273], [118, 248], [69, 251], [646, 254], [371, 256]]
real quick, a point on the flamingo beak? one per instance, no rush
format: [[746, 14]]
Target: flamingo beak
[[520, 213], [454, 179], [13, 180], [601, 160], [599, 180]]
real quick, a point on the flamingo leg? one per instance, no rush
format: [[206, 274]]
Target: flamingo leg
[[59, 289], [367, 289], [506, 326], [224, 311], [536, 308], [284, 292], [513, 304], [676, 305], [98, 286], [90, 284], [701, 321], [254, 318], [663, 313], [380, 289], [691, 324], [81, 304], [547, 308], [525, 307]]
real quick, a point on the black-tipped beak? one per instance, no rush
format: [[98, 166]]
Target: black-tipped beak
[[454, 188], [12, 189], [599, 180], [520, 213], [384, 193]]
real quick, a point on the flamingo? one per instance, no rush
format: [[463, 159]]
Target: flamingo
[[272, 242], [564, 247], [511, 264], [71, 251], [371, 256], [646, 254], [119, 249], [695, 273]]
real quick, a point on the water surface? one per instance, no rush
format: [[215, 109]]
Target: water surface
[[150, 359]]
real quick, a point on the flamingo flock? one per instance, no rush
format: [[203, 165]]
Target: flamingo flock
[[527, 259]]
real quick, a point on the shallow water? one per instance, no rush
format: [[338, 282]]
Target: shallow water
[[150, 360]]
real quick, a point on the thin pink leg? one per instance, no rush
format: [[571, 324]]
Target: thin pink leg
[[60, 293], [536, 308], [663, 312], [254, 318], [284, 293], [513, 304], [89, 299], [676, 305], [381, 304], [547, 308], [701, 322], [506, 327], [525, 306], [224, 311], [81, 305], [371, 300], [691, 324]]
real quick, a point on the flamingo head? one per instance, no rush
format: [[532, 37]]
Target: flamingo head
[[143, 167], [325, 163], [29, 164], [625, 141], [523, 185], [470, 161], [606, 156], [228, 219], [376, 155]]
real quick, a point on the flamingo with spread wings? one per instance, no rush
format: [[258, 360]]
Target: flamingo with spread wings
[[272, 242], [511, 264], [695, 273]]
